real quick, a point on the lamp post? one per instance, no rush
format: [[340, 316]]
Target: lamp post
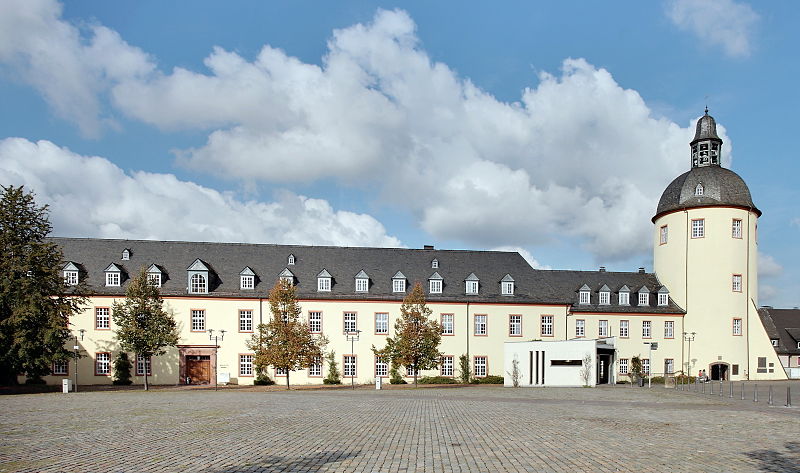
[[77, 348], [352, 337], [689, 337], [216, 339]]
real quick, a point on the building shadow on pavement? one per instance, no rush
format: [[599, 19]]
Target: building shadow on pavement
[[787, 461], [308, 463]]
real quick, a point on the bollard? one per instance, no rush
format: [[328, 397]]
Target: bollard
[[721, 391], [711, 388], [742, 390], [755, 393], [788, 396], [769, 398], [730, 385], [704, 388]]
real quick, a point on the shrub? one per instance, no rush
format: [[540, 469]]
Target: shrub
[[334, 377], [394, 375], [436, 380], [657, 380], [489, 380], [263, 380], [331, 381], [122, 370], [464, 372], [35, 380]]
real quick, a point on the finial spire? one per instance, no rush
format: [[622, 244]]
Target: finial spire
[[706, 109]]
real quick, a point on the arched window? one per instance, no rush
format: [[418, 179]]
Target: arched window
[[198, 284], [698, 190]]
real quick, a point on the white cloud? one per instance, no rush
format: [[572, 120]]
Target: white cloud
[[525, 254], [767, 266], [725, 23], [92, 197]]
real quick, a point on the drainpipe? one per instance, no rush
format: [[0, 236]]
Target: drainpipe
[[747, 299], [467, 331]]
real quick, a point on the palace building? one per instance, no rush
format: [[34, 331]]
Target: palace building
[[700, 304]]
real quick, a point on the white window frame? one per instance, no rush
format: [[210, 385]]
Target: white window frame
[[323, 284], [736, 228], [669, 329], [198, 320], [479, 366], [623, 366], [102, 318], [349, 366], [435, 264], [584, 297], [381, 367], [398, 285], [245, 364], [472, 287], [669, 365], [350, 322], [663, 235], [60, 368], [646, 366], [699, 190], [605, 298], [736, 283], [290, 259], [647, 329], [507, 288], [624, 298], [698, 228], [514, 325], [315, 321], [737, 326], [71, 278], [447, 368], [644, 298], [154, 279], [141, 363], [362, 285], [288, 279], [113, 279], [435, 286], [663, 298], [247, 281], [547, 325], [102, 364], [448, 324], [315, 368], [245, 320], [480, 321], [580, 328], [624, 328], [381, 323], [198, 284], [602, 328]]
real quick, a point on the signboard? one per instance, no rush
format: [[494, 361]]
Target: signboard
[[654, 345]]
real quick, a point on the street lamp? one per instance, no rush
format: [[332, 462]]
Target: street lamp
[[77, 348], [352, 337], [217, 339], [689, 337]]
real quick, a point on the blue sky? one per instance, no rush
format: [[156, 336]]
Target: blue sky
[[549, 128]]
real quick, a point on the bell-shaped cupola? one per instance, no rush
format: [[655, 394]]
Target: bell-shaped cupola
[[706, 145]]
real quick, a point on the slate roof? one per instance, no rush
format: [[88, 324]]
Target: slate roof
[[721, 188], [226, 260], [783, 324]]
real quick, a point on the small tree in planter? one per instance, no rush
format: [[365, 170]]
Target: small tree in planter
[[122, 369], [464, 371], [636, 369], [334, 376]]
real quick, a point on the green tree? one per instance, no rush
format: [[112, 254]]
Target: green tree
[[417, 337], [35, 302], [334, 376], [285, 342], [143, 326], [464, 371], [122, 369]]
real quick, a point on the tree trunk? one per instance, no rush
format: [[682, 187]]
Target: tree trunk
[[287, 378], [416, 372], [146, 388]]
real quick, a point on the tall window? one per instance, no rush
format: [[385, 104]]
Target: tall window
[[435, 263], [644, 298], [143, 364], [350, 325], [435, 286], [112, 279], [584, 297], [623, 328], [154, 279], [290, 259], [245, 365], [61, 367], [669, 329], [663, 298], [198, 320], [472, 287], [736, 283], [515, 325], [547, 325], [247, 282], [71, 278], [580, 328], [624, 298], [698, 228], [479, 366], [446, 366], [324, 284], [736, 228], [245, 320], [349, 366], [605, 297], [447, 324], [198, 284], [646, 366], [669, 366], [362, 285], [398, 285], [647, 329], [623, 366], [315, 368], [315, 321], [382, 323], [381, 367], [602, 328], [102, 364], [480, 325], [102, 319], [737, 326], [507, 288], [664, 233]]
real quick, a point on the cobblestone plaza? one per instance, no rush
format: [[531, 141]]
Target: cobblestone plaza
[[426, 430]]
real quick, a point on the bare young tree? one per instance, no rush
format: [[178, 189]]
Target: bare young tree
[[586, 370], [515, 372]]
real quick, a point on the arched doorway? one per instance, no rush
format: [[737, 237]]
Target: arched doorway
[[719, 372]]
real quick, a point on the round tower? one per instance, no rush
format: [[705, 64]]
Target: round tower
[[706, 255]]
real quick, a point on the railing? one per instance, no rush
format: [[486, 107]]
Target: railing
[[774, 394]]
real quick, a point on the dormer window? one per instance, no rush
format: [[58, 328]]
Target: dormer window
[[198, 274], [287, 276], [584, 295], [398, 282], [154, 275], [362, 282], [605, 295], [324, 281], [698, 191], [775, 342], [507, 285], [113, 275], [290, 259], [644, 296], [472, 283], [624, 296], [70, 274], [247, 279], [126, 254], [435, 264], [663, 296], [435, 283]]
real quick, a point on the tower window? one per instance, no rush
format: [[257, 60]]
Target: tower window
[[698, 228], [736, 228], [736, 283], [698, 191], [663, 235]]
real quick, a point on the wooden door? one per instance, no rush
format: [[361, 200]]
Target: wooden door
[[199, 370]]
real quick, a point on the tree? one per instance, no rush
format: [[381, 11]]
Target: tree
[[464, 371], [515, 372], [333, 377], [285, 342], [122, 369], [143, 326], [35, 302], [417, 338], [586, 369], [636, 369]]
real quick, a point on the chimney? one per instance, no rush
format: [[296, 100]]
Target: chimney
[[641, 270], [602, 269], [427, 247]]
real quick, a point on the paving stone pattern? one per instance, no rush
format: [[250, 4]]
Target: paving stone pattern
[[490, 429]]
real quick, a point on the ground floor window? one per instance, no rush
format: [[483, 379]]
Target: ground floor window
[[381, 367], [447, 366], [669, 366], [246, 365], [280, 371], [143, 363], [315, 368], [102, 364], [61, 367], [479, 367], [349, 366], [646, 367], [623, 366]]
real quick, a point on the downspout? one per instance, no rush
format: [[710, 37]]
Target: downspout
[[686, 286], [467, 332], [747, 299]]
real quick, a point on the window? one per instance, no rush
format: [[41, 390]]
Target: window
[[735, 370], [669, 329], [323, 284], [624, 298], [584, 297], [315, 321], [197, 284], [646, 329], [479, 366], [737, 326], [605, 298], [448, 327], [736, 228], [154, 279], [198, 320], [143, 364], [644, 298], [245, 320], [472, 287], [290, 259], [245, 365], [381, 367], [381, 323], [112, 279], [698, 191], [61, 367], [102, 319], [315, 368], [698, 228], [247, 281], [102, 364], [736, 283], [515, 325], [398, 285], [669, 366], [71, 278], [288, 280], [350, 325], [547, 325], [507, 288], [435, 286], [280, 371], [623, 328], [663, 298], [664, 233], [446, 368], [623, 366], [435, 264], [602, 328], [362, 285], [126, 254], [762, 364], [480, 325], [646, 366], [580, 328], [349, 366]]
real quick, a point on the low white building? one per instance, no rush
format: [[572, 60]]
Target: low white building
[[560, 362]]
